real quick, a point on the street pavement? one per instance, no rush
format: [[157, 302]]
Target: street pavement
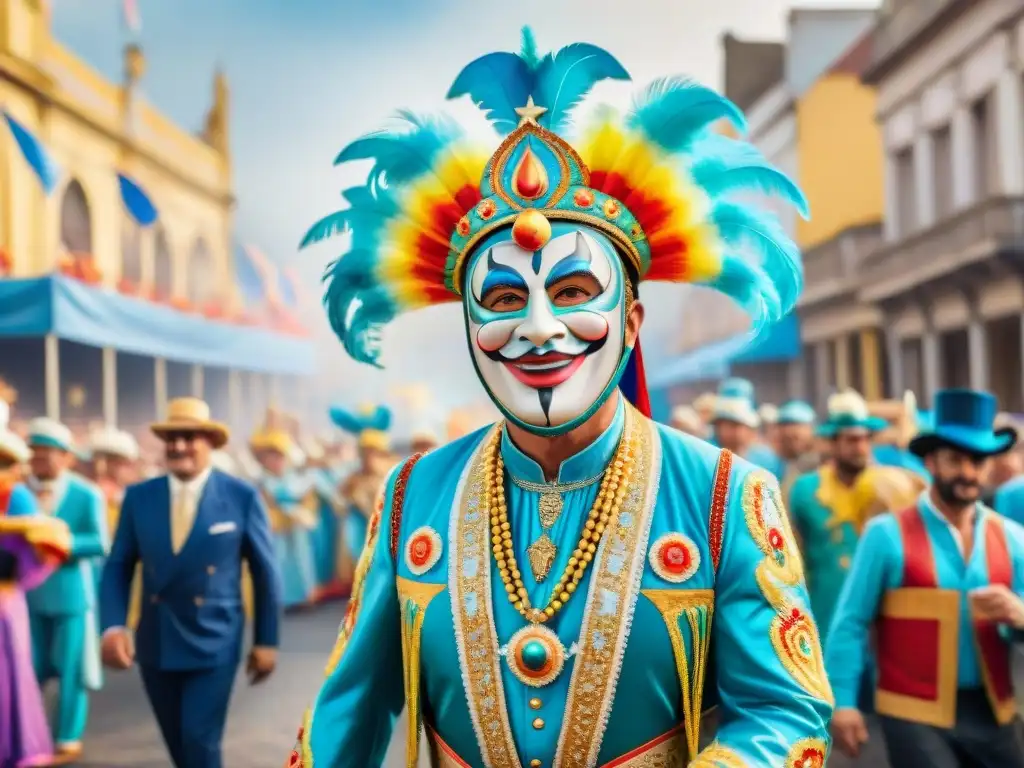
[[263, 720]]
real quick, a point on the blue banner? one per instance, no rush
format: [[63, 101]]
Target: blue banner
[[35, 154]]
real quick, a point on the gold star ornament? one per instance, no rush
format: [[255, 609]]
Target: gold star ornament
[[530, 112]]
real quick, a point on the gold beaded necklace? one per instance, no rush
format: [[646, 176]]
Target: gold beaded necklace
[[610, 495]]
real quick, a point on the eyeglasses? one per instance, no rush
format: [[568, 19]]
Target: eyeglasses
[[188, 437]]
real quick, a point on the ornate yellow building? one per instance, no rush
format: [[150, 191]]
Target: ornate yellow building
[[95, 129], [79, 256]]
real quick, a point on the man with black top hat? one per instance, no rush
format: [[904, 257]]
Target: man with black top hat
[[940, 583]]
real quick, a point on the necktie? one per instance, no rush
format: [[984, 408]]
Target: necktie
[[180, 520]]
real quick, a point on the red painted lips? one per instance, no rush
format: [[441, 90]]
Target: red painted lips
[[544, 371]]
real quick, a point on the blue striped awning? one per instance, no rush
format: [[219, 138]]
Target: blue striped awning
[[713, 361], [136, 201], [35, 154]]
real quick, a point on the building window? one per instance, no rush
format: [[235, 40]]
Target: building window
[[906, 192], [201, 274], [985, 156], [163, 267], [942, 171], [75, 222]]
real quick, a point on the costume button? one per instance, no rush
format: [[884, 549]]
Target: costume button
[[538, 723], [535, 703], [535, 763], [199, 601], [211, 570]]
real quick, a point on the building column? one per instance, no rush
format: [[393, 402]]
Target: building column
[[822, 383], [235, 408], [924, 180], [51, 364], [894, 354], [890, 222], [1009, 102], [198, 384], [962, 141], [795, 379], [160, 386], [842, 362], [977, 352], [930, 364], [869, 364], [110, 386]]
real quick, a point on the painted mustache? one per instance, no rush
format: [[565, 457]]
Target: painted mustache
[[546, 370]]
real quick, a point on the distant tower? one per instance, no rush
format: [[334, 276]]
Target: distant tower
[[134, 71], [216, 132]]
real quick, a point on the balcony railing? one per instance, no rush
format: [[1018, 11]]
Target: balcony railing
[[999, 220], [832, 267], [902, 25]]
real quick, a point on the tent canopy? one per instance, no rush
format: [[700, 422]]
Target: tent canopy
[[97, 317]]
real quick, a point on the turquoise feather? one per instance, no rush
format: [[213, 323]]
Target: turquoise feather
[[401, 156], [565, 78], [500, 83], [345, 420], [673, 112], [333, 224], [775, 257], [724, 166]]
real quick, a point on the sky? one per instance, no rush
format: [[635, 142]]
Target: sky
[[308, 76]]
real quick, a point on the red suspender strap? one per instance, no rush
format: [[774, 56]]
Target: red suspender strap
[[993, 651], [918, 558], [398, 502]]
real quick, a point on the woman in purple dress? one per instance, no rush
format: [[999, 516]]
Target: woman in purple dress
[[31, 546]]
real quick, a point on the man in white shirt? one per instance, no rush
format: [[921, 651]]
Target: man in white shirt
[[191, 530]]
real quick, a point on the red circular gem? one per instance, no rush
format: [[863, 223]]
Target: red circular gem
[[611, 209], [775, 538], [486, 209], [811, 757], [676, 558], [583, 198], [463, 226], [420, 550]]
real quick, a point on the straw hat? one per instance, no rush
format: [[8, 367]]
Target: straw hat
[[13, 447], [114, 442], [190, 414]]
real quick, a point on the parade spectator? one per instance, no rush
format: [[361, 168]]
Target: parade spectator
[[191, 530]]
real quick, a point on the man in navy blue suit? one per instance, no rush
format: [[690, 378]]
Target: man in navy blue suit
[[191, 530]]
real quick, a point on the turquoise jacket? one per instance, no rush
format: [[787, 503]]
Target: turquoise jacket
[[701, 557], [71, 588], [878, 568], [828, 546], [1009, 500]]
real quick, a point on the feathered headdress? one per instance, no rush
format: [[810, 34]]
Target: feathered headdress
[[370, 424], [657, 181]]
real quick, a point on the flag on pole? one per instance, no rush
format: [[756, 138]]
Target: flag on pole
[[292, 286], [130, 15], [268, 274]]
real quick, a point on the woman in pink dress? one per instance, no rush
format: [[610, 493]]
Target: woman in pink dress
[[31, 547]]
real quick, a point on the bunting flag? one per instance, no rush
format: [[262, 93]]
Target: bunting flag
[[248, 276], [130, 16], [267, 272], [136, 201], [35, 154], [292, 292]]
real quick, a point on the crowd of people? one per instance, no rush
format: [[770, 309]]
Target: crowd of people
[[85, 573]]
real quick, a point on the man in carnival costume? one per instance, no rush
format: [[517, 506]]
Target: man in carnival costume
[[830, 505], [63, 609], [292, 506], [359, 490], [796, 442], [735, 423], [938, 585], [543, 539]]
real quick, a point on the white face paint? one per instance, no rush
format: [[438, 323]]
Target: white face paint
[[546, 329]]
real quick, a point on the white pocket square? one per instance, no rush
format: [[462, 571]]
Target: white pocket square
[[218, 528]]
